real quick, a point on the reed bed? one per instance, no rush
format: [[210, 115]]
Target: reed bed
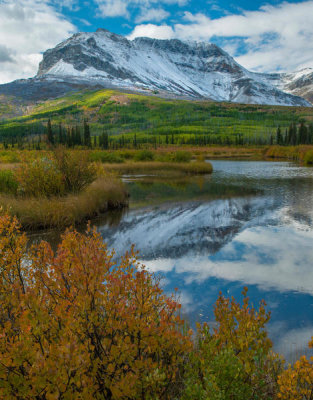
[[301, 153], [59, 212], [161, 168]]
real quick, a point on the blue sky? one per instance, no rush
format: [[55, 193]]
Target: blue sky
[[262, 36]]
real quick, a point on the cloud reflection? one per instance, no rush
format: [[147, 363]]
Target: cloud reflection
[[277, 258]]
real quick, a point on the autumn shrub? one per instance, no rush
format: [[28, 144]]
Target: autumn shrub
[[8, 183], [235, 360], [144, 155], [76, 170], [40, 178], [296, 383], [76, 325]]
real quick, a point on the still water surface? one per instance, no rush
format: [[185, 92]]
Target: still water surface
[[250, 223]]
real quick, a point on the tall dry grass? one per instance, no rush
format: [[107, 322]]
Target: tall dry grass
[[295, 153], [161, 168], [59, 212]]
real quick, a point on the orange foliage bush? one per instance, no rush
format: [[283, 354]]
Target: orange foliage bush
[[243, 329], [75, 325], [296, 383]]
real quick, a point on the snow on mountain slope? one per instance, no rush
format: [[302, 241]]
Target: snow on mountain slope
[[195, 70], [298, 83]]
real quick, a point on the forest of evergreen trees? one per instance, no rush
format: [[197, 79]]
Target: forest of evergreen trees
[[81, 135]]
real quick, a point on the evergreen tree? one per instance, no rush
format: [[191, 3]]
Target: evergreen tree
[[302, 137], [87, 137], [310, 134], [60, 138], [105, 140], [49, 132], [286, 137], [73, 137], [78, 138], [278, 136]]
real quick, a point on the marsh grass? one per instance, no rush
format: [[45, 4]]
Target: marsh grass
[[59, 212], [161, 168], [308, 158], [8, 183]]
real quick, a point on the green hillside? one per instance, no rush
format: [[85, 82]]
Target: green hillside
[[148, 119]]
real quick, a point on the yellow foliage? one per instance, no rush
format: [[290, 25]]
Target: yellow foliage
[[296, 383], [76, 325]]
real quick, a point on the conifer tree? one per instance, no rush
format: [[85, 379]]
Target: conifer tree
[[68, 137], [49, 132], [278, 136], [87, 137], [106, 141], [78, 139], [302, 137], [60, 139]]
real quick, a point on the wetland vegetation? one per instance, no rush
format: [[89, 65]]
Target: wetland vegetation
[[83, 322]]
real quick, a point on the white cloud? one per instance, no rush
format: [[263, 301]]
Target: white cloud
[[274, 37], [152, 31], [121, 8], [27, 28], [113, 8], [153, 14]]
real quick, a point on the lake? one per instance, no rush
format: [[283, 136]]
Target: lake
[[249, 224]]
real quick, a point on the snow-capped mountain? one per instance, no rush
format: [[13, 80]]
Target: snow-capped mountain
[[299, 83], [167, 67]]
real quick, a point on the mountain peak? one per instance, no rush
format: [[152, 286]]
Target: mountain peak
[[169, 67]]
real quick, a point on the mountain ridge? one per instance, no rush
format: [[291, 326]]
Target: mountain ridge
[[195, 70]]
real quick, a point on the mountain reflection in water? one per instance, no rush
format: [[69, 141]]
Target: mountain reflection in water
[[225, 242]]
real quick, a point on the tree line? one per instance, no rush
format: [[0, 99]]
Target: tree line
[[294, 135], [80, 135]]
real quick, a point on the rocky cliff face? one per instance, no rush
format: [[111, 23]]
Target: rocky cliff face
[[168, 67]]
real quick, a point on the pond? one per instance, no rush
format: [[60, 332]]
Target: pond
[[249, 224]]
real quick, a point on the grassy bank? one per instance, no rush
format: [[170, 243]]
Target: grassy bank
[[161, 168], [302, 154], [59, 189], [59, 212]]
